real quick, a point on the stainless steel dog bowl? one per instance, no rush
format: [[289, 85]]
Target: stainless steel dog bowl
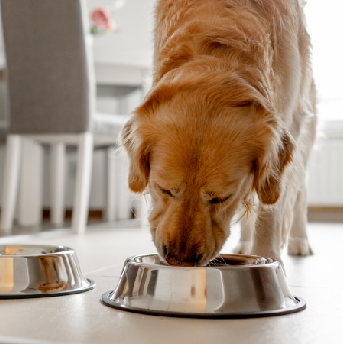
[[35, 271], [234, 286]]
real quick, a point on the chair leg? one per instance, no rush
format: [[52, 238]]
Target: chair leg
[[58, 160], [11, 181], [83, 180], [110, 191], [30, 184]]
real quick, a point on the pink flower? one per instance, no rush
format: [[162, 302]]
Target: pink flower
[[101, 18]]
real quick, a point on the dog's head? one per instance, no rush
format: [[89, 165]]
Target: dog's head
[[203, 150]]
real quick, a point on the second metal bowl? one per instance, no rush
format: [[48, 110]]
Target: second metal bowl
[[234, 286], [35, 271]]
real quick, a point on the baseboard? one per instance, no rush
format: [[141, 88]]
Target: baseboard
[[94, 214], [325, 214]]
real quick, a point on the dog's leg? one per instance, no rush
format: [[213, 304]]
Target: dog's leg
[[298, 243], [267, 236], [247, 228]]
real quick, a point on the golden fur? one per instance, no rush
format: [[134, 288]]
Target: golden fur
[[231, 101]]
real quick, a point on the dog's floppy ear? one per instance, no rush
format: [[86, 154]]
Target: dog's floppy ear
[[138, 153], [269, 168]]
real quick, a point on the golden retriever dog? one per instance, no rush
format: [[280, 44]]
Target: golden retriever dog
[[231, 115]]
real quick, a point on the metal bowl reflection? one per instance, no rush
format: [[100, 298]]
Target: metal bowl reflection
[[35, 271], [233, 286]]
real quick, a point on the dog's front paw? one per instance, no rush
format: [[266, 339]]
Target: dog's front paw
[[299, 247], [243, 247]]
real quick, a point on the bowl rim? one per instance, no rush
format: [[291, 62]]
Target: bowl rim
[[131, 260], [65, 250]]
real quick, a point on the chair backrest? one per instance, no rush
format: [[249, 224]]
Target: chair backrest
[[49, 63]]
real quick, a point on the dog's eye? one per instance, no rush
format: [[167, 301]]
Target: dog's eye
[[219, 200], [166, 192]]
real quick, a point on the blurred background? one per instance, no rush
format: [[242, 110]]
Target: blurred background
[[122, 55], [325, 180]]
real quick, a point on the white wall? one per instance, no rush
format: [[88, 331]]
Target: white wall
[[325, 25], [135, 21]]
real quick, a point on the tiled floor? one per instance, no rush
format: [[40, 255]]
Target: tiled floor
[[82, 318]]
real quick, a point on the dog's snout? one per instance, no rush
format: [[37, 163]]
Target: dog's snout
[[191, 259], [180, 262]]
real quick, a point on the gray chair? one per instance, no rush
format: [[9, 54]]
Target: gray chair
[[52, 96], [4, 122]]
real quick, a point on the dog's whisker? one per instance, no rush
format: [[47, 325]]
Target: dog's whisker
[[224, 261]]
